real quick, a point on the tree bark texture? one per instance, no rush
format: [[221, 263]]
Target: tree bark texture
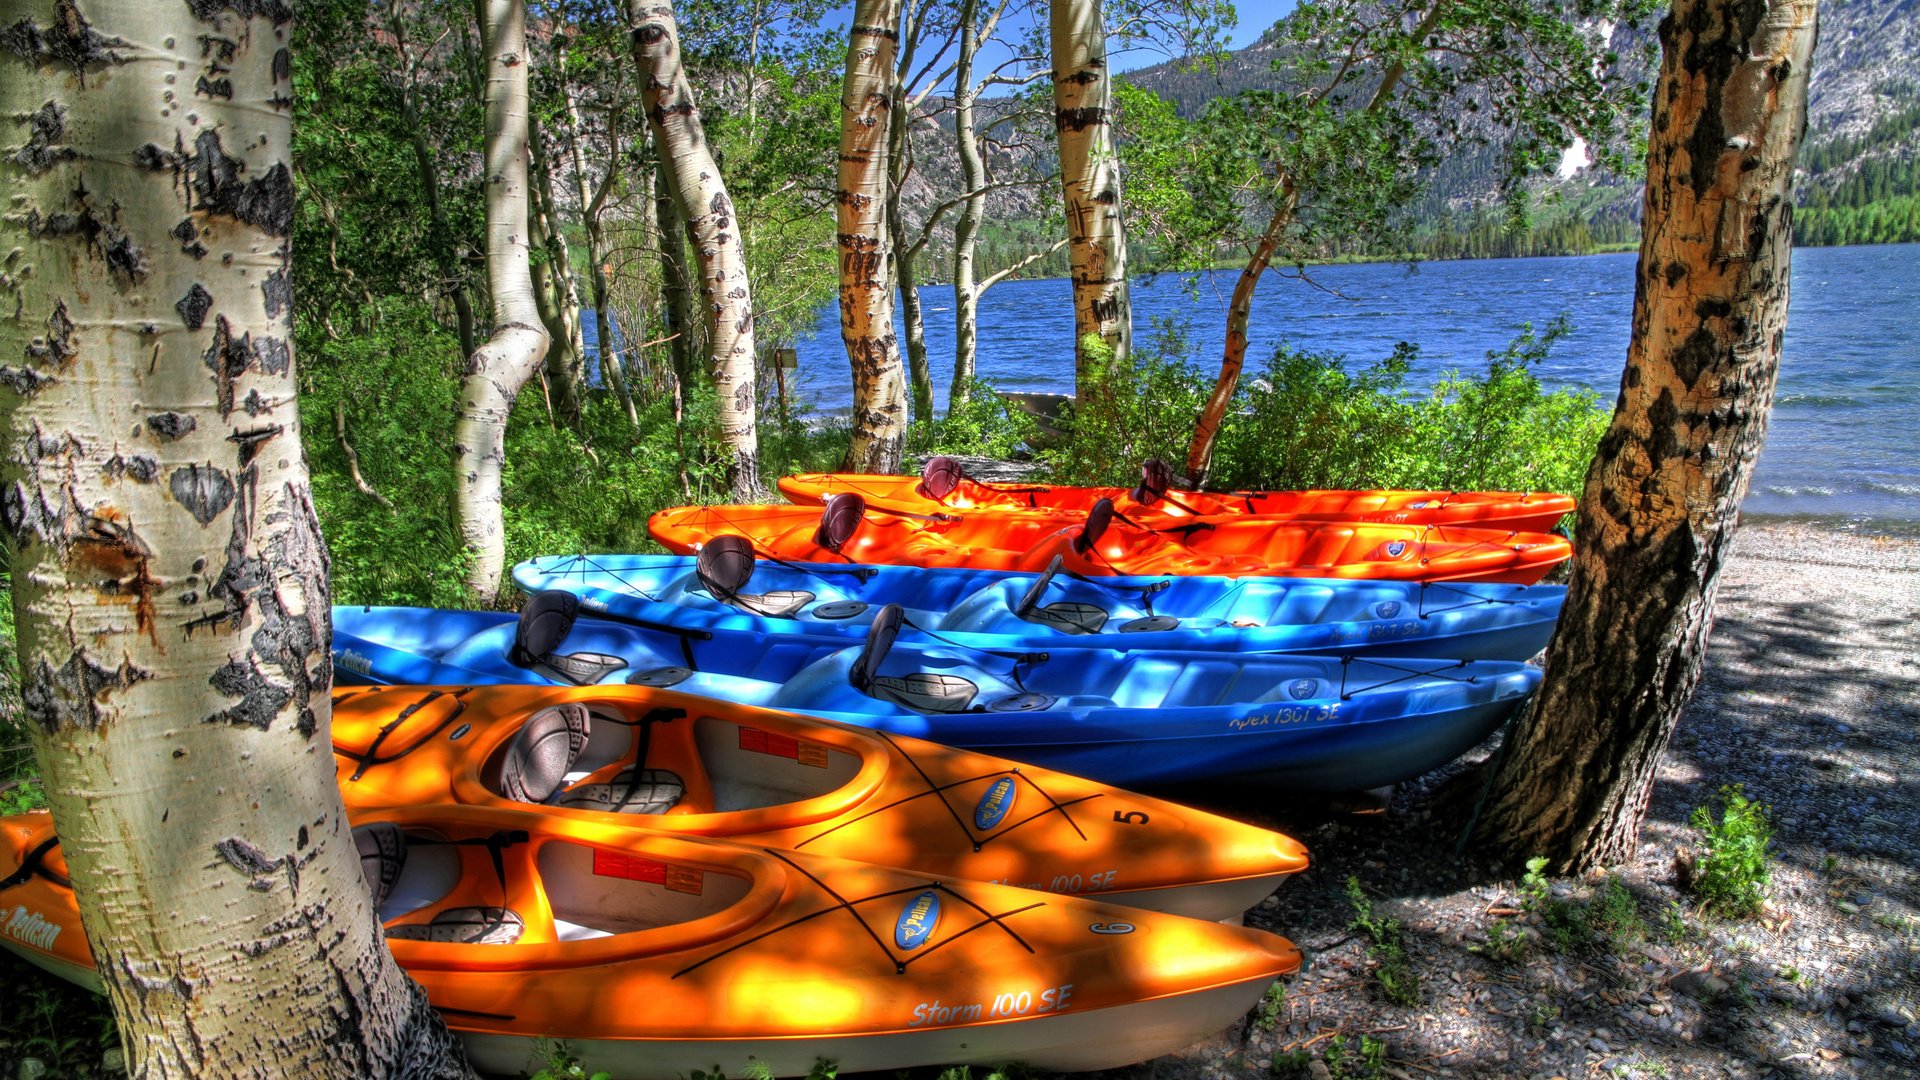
[[1233, 358], [556, 290], [1663, 494], [973, 211], [866, 248], [1090, 180], [497, 370], [919, 374], [676, 293], [593, 204], [169, 578], [714, 230]]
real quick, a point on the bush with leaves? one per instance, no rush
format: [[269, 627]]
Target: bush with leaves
[[1730, 875], [1126, 413], [984, 424]]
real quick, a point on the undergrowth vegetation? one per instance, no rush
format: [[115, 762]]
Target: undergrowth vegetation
[[1312, 420], [1730, 873]]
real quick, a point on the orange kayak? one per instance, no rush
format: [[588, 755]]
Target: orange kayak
[[737, 772], [657, 956], [943, 486], [1105, 542]]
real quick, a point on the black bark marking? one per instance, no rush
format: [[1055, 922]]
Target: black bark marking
[[260, 700], [170, 425], [282, 65], [69, 40], [155, 158], [71, 695], [205, 490], [255, 864], [255, 404], [23, 380], [228, 358], [277, 11], [124, 259], [1699, 353], [214, 176], [189, 236], [193, 306], [57, 345], [252, 441], [46, 127], [1065, 120], [277, 291], [139, 466]]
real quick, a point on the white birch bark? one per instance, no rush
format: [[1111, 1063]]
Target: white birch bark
[[499, 368], [170, 581], [700, 195], [973, 211], [1090, 179], [866, 249]]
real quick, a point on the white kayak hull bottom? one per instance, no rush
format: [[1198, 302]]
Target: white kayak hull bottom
[[1060, 1042], [1214, 901]]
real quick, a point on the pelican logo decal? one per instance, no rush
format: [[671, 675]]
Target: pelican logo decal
[[31, 928], [1387, 610], [917, 921], [993, 806], [353, 662], [1302, 689], [1396, 549]]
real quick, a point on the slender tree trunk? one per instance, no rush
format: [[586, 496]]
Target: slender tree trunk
[[1090, 180], [966, 230], [170, 582], [866, 253], [593, 206], [1663, 495], [498, 369], [676, 292], [919, 375], [446, 248], [1233, 359], [555, 295], [714, 229], [1239, 314]]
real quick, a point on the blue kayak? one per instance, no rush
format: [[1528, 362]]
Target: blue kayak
[[726, 588], [1139, 717]]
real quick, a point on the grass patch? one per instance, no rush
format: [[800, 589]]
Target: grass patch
[[1730, 875], [1394, 979], [1364, 1058], [1606, 921]]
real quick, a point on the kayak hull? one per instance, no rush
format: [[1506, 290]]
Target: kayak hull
[[1126, 718], [1527, 511], [764, 777], [656, 957], [979, 608]]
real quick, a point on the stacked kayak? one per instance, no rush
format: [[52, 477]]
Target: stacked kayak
[[944, 486], [1137, 718], [1105, 542], [694, 767], [726, 587], [659, 956]]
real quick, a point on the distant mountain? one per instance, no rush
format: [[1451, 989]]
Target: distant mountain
[[1860, 164]]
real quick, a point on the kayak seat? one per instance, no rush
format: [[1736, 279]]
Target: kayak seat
[[403, 878], [536, 763], [924, 692], [1071, 616], [783, 604], [655, 791], [725, 565], [543, 625], [465, 926]]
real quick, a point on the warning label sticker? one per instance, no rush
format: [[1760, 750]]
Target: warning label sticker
[[767, 742], [634, 868]]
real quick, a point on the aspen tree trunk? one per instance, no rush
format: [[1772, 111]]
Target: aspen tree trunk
[[556, 295], [900, 162], [1090, 180], [966, 230], [446, 249], [701, 195], [676, 292], [866, 251], [498, 369], [170, 581], [593, 206], [1663, 495]]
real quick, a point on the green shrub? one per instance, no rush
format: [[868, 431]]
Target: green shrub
[[1393, 976], [1607, 920], [1364, 1059], [986, 424], [1731, 873], [1308, 421]]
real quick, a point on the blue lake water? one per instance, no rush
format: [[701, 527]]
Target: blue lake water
[[1844, 438]]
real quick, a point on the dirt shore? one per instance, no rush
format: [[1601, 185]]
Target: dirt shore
[[1811, 702]]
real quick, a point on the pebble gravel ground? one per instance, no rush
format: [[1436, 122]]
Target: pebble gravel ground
[[1810, 702]]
